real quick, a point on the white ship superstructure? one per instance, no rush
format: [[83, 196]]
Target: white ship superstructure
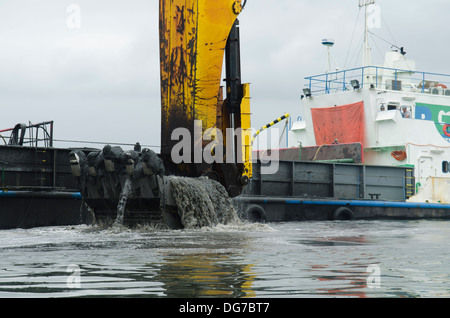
[[401, 116]]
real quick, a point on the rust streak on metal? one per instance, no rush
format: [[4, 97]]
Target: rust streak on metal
[[193, 35]]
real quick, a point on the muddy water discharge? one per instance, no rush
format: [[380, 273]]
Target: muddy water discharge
[[122, 202], [202, 202]]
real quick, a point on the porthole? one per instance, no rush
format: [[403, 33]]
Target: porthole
[[445, 166]]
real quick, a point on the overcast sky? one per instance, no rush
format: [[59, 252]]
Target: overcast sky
[[100, 82]]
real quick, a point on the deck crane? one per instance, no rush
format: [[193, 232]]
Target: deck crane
[[196, 36]]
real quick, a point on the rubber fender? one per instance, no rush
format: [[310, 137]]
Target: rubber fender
[[343, 213], [255, 213]]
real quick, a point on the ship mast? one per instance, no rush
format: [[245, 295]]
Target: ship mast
[[367, 55]]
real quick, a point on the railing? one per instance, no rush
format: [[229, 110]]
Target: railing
[[18, 137], [379, 78]]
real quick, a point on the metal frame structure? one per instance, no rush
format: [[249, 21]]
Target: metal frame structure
[[340, 81], [17, 137]]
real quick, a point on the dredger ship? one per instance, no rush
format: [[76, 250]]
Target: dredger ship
[[368, 142], [343, 161], [356, 115]]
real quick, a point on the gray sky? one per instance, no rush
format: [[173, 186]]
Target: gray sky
[[100, 82]]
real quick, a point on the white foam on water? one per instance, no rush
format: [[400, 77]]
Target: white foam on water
[[202, 202], [239, 227], [205, 204]]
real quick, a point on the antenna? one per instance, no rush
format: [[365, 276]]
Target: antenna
[[367, 58], [329, 44], [363, 3]]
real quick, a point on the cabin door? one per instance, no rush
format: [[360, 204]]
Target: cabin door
[[426, 169]]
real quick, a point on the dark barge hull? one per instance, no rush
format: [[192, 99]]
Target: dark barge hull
[[37, 188], [279, 209], [27, 209], [307, 191]]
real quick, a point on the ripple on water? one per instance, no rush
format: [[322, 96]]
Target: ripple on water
[[299, 259]]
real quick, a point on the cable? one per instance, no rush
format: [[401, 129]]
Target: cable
[[391, 44], [375, 43], [270, 124], [389, 30], [351, 42], [102, 142]]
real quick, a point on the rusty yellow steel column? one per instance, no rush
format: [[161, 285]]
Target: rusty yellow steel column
[[193, 35], [246, 138]]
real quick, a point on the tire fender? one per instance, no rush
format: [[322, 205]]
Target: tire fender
[[255, 213], [343, 213]]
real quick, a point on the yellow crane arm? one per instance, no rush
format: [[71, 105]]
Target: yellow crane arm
[[193, 36]]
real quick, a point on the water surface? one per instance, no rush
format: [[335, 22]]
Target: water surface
[[298, 259]]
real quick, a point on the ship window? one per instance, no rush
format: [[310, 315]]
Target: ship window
[[396, 85], [406, 111], [445, 165], [393, 105]]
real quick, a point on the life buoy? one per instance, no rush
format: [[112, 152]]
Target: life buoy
[[255, 213], [446, 132], [441, 85], [399, 155], [343, 213]]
